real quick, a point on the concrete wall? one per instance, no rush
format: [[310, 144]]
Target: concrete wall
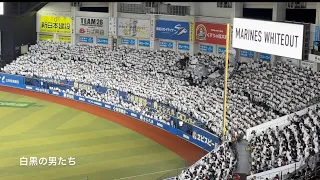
[[211, 9], [258, 5], [95, 4], [57, 7], [92, 14], [133, 16]]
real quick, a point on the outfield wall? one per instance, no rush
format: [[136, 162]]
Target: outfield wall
[[192, 134]]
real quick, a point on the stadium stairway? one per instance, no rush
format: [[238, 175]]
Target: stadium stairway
[[243, 165]]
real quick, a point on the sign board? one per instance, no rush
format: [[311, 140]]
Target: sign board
[[65, 39], [173, 30], [45, 37], [55, 24], [281, 39], [144, 43], [86, 39], [112, 26], [102, 41], [205, 48], [316, 35], [264, 57], [128, 41], [92, 26], [211, 33], [308, 65], [137, 28], [164, 44], [183, 47], [314, 58], [245, 53], [221, 50]]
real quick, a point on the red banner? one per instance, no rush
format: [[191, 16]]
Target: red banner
[[210, 33]]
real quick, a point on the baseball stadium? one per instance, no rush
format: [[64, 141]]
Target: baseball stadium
[[104, 144], [159, 90]]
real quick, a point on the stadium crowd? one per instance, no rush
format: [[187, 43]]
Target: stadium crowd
[[218, 164], [295, 142], [257, 93]]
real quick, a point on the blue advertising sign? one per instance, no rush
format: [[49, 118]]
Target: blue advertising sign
[[205, 48], [128, 41], [10, 80], [144, 43], [165, 44], [183, 47], [86, 39], [245, 53], [221, 50], [173, 30], [265, 57], [316, 35], [102, 40]]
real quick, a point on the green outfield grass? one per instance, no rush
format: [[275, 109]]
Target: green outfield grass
[[103, 150]]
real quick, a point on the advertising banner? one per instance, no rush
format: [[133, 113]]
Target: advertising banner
[[308, 65], [314, 58], [165, 44], [281, 39], [138, 28], [190, 133], [191, 27], [45, 37], [102, 41], [55, 24], [183, 47], [144, 43], [128, 41], [221, 50], [211, 33], [172, 30], [11, 80], [295, 62], [245, 53], [112, 26], [205, 48], [86, 39], [264, 57], [92, 26], [316, 35], [65, 39]]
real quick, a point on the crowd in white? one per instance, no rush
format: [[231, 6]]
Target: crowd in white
[[158, 76], [282, 146], [218, 164], [257, 92]]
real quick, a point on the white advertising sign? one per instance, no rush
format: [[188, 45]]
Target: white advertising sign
[[292, 61], [307, 65], [152, 27], [112, 26], [281, 39], [314, 58], [92, 26], [137, 28]]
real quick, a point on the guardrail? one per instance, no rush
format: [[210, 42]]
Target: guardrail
[[280, 122], [192, 134]]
